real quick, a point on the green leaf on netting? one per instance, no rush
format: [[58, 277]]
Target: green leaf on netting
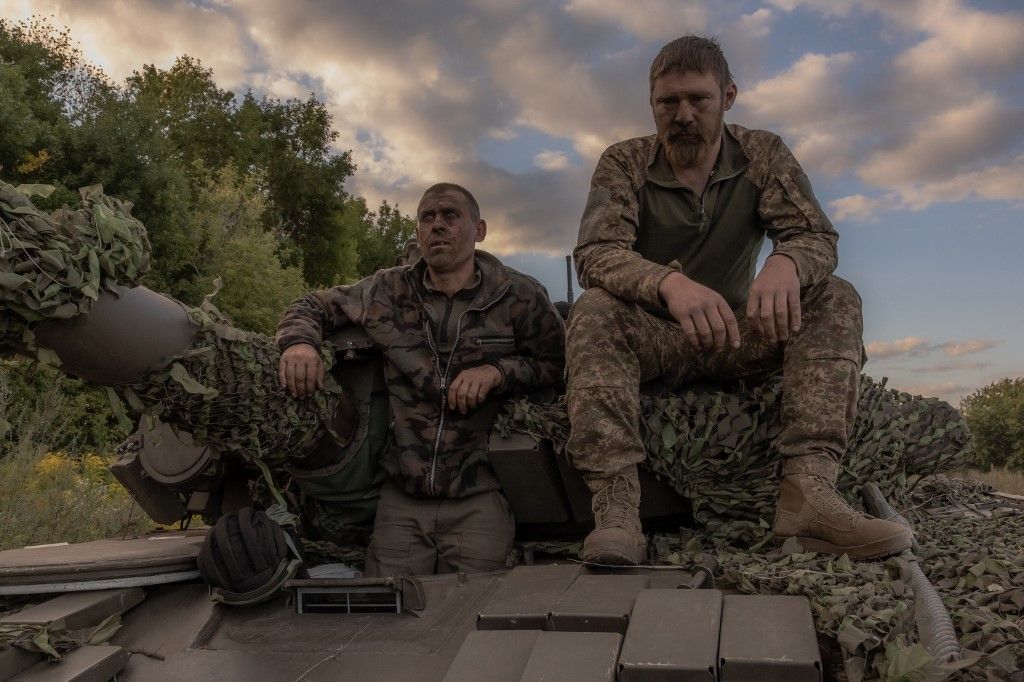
[[851, 637], [668, 436], [181, 375], [42, 640], [791, 546], [36, 190], [47, 357], [105, 630], [10, 280], [117, 407], [903, 663], [1005, 658]]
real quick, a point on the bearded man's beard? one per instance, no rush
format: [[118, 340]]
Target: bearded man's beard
[[686, 147]]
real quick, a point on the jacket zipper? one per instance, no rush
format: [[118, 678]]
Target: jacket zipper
[[431, 490]]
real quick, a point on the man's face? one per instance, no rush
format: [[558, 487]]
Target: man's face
[[689, 110], [446, 231]]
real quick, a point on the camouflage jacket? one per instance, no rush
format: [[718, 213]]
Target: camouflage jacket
[[764, 187], [510, 324]]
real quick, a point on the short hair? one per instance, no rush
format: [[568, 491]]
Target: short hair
[[692, 53], [442, 187]]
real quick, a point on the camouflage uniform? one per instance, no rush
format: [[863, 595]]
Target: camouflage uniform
[[620, 334], [444, 510], [510, 324]]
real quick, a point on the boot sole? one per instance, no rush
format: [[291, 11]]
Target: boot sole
[[872, 550], [609, 560]]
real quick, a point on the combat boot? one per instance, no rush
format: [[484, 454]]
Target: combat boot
[[811, 510], [617, 537]]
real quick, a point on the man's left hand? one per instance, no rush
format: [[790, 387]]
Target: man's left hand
[[773, 306], [471, 387]]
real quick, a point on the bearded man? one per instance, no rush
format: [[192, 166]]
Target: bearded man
[[667, 252]]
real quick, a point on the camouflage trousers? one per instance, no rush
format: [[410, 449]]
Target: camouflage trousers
[[614, 346]]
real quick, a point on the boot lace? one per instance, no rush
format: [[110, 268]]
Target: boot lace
[[612, 502], [832, 502]]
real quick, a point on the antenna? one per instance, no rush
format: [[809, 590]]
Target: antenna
[[568, 278]]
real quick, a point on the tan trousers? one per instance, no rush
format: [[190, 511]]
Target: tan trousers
[[439, 535]]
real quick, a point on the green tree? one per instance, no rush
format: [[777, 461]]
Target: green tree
[[995, 415], [382, 238], [290, 143], [256, 285]]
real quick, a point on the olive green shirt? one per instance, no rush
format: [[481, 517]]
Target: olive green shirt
[[713, 239], [640, 224]]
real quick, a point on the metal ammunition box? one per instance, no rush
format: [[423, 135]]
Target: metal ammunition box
[[672, 635]]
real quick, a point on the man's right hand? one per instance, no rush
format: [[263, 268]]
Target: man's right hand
[[301, 370], [706, 319]]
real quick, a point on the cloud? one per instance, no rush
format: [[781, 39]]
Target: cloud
[[949, 391], [551, 160], [885, 349], [916, 346], [950, 367], [413, 94], [943, 144], [757, 24], [938, 121], [860, 207], [115, 34], [955, 349], [648, 20]]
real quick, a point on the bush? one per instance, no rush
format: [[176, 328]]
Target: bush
[[80, 414], [995, 415], [48, 495]]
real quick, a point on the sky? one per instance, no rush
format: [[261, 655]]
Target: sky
[[907, 115]]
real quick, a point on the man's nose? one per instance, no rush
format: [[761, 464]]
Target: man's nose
[[684, 114]]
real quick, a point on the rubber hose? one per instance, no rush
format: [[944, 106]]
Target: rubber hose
[[933, 623]]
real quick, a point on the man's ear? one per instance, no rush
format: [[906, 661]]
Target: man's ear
[[730, 95], [481, 229]]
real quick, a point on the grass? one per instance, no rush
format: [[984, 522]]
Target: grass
[[47, 495], [1002, 479]]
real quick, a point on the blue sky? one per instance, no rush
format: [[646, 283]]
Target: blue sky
[[908, 117]]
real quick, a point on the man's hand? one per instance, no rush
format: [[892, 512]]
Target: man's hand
[[301, 370], [705, 317], [471, 387], [774, 303]]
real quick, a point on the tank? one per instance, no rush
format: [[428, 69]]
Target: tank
[[714, 603]]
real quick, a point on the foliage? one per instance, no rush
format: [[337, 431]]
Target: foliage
[[49, 495], [156, 141], [995, 415], [81, 417], [248, 260], [386, 233]]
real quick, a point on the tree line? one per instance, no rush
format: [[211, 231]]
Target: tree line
[[238, 186], [246, 187]]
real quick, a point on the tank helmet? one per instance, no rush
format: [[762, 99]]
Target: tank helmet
[[247, 557]]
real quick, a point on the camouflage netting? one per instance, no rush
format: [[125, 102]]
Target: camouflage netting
[[54, 265], [714, 447], [225, 392], [224, 389]]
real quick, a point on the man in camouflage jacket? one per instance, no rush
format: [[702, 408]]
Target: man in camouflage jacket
[[459, 333], [667, 252]]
